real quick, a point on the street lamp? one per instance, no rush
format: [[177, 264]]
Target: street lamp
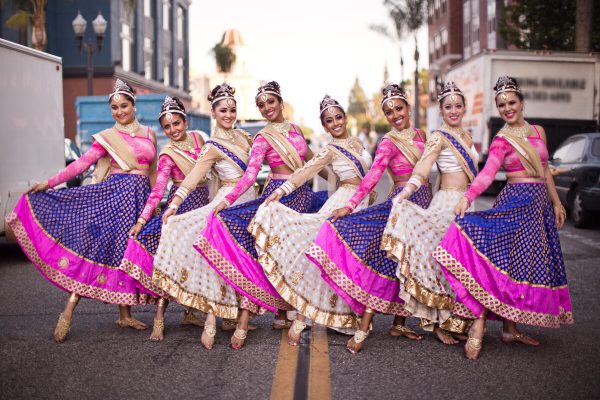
[[79, 26]]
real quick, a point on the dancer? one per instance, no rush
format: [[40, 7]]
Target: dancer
[[282, 234], [226, 243], [178, 269], [506, 262], [77, 237], [175, 161], [412, 232], [347, 247]]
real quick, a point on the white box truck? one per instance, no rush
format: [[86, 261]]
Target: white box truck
[[560, 90], [32, 146]]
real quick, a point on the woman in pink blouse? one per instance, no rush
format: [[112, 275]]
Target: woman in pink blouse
[[175, 161], [77, 237], [347, 248], [506, 262], [226, 243]]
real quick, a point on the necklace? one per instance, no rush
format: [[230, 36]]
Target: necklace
[[186, 144], [129, 128], [458, 131], [520, 131], [406, 134], [348, 143], [281, 127], [227, 134]]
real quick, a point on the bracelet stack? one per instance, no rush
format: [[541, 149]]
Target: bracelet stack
[[141, 221], [287, 188], [182, 192], [173, 207]]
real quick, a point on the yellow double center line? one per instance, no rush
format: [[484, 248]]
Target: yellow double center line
[[290, 380]]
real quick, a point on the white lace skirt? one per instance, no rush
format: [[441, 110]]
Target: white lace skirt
[[181, 271], [410, 236], [282, 235]]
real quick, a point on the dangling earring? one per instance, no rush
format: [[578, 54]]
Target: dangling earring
[[134, 109]]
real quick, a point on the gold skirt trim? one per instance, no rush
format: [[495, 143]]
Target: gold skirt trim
[[285, 290], [193, 300], [63, 281], [400, 251], [494, 304], [136, 272], [353, 290]]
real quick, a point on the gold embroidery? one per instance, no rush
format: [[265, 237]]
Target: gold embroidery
[[333, 300], [101, 279], [296, 277], [184, 276], [63, 262]]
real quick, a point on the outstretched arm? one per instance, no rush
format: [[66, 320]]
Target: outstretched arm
[[422, 168], [257, 155], [90, 157]]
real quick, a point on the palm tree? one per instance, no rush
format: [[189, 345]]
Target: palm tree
[[408, 16], [34, 12], [224, 57]]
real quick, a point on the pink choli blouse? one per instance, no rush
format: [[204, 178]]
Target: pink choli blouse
[[143, 148], [503, 154], [261, 149], [387, 156], [166, 169]]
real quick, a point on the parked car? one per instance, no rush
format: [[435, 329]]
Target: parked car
[[576, 169]]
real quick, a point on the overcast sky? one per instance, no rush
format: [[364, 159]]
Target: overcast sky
[[310, 47]]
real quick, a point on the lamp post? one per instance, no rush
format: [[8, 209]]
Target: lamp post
[[79, 26], [416, 109]]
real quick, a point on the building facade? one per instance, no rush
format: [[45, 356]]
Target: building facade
[[146, 43]]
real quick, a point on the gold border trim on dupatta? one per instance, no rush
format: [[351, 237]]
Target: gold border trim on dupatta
[[237, 150], [494, 304], [463, 163], [358, 157], [285, 290], [283, 147], [353, 290], [64, 282], [411, 152], [193, 300], [529, 156]]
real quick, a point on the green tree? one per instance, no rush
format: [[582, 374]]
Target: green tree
[[224, 57], [540, 24]]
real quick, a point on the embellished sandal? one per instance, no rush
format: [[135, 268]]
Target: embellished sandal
[[62, 329], [131, 322], [240, 335], [231, 324], [158, 330], [402, 330], [474, 344], [208, 336], [518, 338], [295, 332], [189, 318], [358, 338], [281, 324]]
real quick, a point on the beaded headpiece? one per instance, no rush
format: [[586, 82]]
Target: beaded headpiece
[[393, 91], [170, 107], [268, 88], [328, 105], [224, 91], [506, 84], [450, 89], [120, 88]]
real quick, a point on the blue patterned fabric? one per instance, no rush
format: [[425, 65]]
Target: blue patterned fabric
[[519, 236], [362, 231], [92, 221], [149, 236], [237, 218]]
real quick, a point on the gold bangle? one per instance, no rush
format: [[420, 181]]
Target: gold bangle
[[141, 221]]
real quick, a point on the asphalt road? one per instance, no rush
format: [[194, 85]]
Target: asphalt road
[[101, 361]]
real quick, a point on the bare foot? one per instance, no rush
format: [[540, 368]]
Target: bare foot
[[238, 339], [444, 337], [518, 337], [475, 340], [158, 330], [398, 330], [355, 343], [208, 336]]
